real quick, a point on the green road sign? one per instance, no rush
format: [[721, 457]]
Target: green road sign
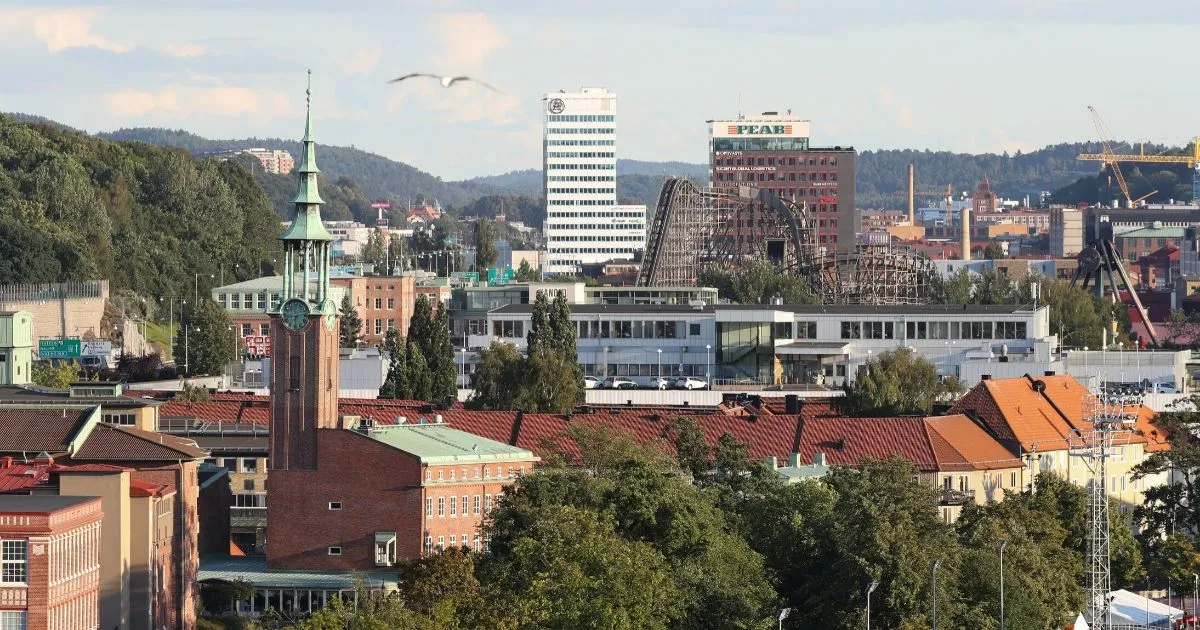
[[58, 348]]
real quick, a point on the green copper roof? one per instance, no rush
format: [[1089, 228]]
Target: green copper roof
[[307, 226], [436, 443]]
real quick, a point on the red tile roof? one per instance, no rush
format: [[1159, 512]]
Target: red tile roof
[[141, 489], [32, 430], [111, 443]]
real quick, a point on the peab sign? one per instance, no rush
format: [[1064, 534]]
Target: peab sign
[[760, 130]]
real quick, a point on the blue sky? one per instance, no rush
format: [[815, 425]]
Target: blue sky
[[965, 75]]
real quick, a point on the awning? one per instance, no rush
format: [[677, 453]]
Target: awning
[[822, 348]]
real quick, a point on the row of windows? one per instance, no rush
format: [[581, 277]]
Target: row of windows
[[581, 202], [582, 130], [250, 500], [125, 418], [580, 154], [578, 191], [593, 213], [645, 369], [595, 239], [935, 330], [760, 144], [591, 250], [250, 300], [237, 464], [580, 178], [581, 143], [770, 161], [441, 506], [380, 325], [477, 545], [791, 176], [581, 118], [635, 330], [487, 473], [581, 167], [762, 177], [263, 329], [594, 226]]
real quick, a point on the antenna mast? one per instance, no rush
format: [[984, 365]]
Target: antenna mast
[[1112, 417]]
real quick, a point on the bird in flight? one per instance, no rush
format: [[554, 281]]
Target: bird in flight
[[445, 81]]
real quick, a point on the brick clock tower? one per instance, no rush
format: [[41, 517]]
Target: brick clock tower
[[304, 333]]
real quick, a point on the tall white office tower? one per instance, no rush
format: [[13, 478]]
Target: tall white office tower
[[584, 224]]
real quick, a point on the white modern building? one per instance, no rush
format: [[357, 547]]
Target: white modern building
[[791, 345], [584, 224]]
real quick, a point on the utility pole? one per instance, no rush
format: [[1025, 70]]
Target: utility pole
[[1003, 544], [933, 591]]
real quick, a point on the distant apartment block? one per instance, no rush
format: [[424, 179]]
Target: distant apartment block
[[1066, 231], [275, 161]]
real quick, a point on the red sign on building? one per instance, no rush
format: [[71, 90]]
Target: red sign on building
[[257, 345]]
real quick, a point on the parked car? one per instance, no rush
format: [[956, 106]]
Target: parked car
[[619, 382], [661, 382], [690, 382], [591, 382]]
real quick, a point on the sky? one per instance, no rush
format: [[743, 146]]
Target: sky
[[962, 75]]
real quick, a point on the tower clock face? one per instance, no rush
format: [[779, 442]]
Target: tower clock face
[[294, 314]]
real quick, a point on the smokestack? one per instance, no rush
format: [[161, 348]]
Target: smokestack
[[966, 232], [912, 192]]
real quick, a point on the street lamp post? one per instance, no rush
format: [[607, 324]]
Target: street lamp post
[[933, 591], [870, 589], [660, 362], [783, 614], [464, 366], [1003, 544], [1195, 595], [708, 364]]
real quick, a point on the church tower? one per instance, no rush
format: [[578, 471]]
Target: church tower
[[304, 328]]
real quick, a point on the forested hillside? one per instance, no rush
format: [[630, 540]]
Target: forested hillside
[[1162, 182], [75, 207], [379, 177]]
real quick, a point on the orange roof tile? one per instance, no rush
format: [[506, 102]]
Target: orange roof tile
[[959, 443]]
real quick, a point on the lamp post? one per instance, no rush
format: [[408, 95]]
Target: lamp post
[[708, 364], [1003, 544], [464, 366], [659, 362], [783, 614], [870, 589], [933, 591], [196, 288], [1195, 595]]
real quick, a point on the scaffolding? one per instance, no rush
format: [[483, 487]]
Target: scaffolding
[[1112, 417], [694, 229]]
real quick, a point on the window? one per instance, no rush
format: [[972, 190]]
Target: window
[[264, 329], [249, 465], [391, 302], [335, 505], [487, 503], [464, 505], [806, 330], [428, 475], [13, 620], [453, 540], [694, 330], [441, 543], [428, 544], [12, 561], [441, 475], [451, 475], [429, 507], [247, 330], [453, 507], [335, 551], [124, 419], [378, 304], [475, 505], [441, 507], [295, 373], [247, 484]]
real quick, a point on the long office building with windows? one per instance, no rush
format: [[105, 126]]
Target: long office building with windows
[[584, 224], [773, 151]]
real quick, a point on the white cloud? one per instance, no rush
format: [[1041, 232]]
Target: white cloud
[[174, 101], [71, 28], [363, 61], [183, 51], [899, 109]]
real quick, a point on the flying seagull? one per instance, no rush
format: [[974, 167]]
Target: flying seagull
[[445, 81]]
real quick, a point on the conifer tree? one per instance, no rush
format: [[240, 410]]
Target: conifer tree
[[541, 333], [418, 376], [396, 383], [350, 325]]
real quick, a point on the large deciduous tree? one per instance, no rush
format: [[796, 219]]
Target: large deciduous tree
[[208, 342], [897, 382]]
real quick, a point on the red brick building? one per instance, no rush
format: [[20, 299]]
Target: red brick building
[[345, 516], [49, 562], [772, 151]]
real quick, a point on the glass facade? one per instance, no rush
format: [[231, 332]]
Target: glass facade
[[760, 144], [745, 349]]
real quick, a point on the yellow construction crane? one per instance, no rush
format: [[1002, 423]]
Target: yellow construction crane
[[1107, 156]]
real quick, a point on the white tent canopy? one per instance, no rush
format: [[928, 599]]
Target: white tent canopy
[[1130, 608]]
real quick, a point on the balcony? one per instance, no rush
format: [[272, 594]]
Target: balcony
[[950, 496]]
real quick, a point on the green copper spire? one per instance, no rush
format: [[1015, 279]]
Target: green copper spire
[[306, 225]]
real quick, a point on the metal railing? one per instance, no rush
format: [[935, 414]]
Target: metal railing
[[950, 496], [53, 291]]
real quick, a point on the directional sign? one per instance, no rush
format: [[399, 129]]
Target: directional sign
[[58, 348], [96, 348]]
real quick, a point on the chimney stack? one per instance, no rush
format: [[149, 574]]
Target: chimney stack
[[912, 193], [966, 233]]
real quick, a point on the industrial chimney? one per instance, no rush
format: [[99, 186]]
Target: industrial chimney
[[965, 225], [912, 193]]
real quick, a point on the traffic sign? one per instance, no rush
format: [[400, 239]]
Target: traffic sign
[[58, 348]]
